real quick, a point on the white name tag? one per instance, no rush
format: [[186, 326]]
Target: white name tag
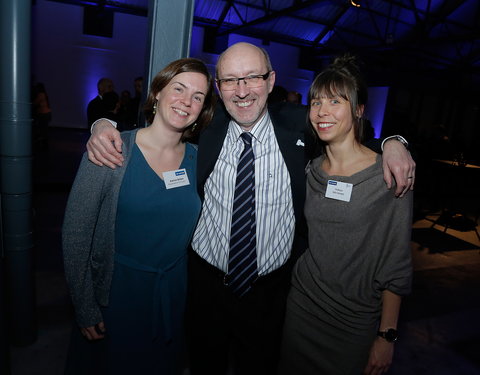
[[341, 191], [176, 178]]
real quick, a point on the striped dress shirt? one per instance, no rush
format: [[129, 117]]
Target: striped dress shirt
[[273, 195]]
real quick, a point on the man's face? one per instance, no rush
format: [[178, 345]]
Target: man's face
[[106, 86], [245, 104], [138, 86]]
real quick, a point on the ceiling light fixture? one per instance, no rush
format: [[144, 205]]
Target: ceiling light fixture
[[355, 3]]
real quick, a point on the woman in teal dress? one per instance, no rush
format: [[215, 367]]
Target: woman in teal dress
[[126, 233]]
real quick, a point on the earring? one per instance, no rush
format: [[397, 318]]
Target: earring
[[155, 107], [194, 126]]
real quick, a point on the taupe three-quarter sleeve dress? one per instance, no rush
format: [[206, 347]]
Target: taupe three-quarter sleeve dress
[[357, 249]]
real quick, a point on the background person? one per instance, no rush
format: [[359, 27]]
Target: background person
[[294, 97], [123, 111], [111, 102], [41, 113], [126, 233], [96, 106], [348, 285], [134, 118]]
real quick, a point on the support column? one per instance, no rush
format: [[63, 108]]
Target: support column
[[15, 170], [170, 31], [4, 347]]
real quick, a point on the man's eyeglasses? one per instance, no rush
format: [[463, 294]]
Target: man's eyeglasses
[[250, 81]]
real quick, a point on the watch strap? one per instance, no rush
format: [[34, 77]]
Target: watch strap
[[399, 138], [390, 334]]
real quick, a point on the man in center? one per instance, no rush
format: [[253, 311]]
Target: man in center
[[218, 318]]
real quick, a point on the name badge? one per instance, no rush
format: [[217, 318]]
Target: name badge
[[174, 179], [341, 191]]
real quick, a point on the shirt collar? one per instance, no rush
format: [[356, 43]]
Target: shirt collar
[[259, 130]]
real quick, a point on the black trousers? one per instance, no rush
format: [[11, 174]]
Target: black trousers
[[224, 331]]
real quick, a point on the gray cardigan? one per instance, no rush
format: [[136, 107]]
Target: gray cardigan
[[88, 236]]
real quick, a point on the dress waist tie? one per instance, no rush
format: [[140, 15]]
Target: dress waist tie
[[162, 288]]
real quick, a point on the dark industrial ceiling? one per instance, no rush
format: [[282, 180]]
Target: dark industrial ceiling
[[417, 37]]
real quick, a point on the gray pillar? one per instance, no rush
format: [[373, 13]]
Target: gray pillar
[[170, 30], [4, 347], [15, 168], [170, 25]]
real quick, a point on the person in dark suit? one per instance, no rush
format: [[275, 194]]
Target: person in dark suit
[[135, 110], [96, 107], [226, 327]]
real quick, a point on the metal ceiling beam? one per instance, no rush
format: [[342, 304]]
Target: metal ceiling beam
[[330, 27], [238, 13], [225, 10], [434, 19], [375, 25], [284, 39], [267, 7], [417, 16], [298, 5], [285, 11], [438, 18]]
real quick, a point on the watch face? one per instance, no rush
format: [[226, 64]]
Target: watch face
[[391, 335]]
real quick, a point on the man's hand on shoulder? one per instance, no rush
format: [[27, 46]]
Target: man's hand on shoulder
[[105, 145], [398, 164]]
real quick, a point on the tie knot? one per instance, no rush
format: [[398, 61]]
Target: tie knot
[[246, 138]]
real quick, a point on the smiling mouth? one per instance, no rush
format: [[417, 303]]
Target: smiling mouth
[[325, 125], [180, 112], [244, 104]]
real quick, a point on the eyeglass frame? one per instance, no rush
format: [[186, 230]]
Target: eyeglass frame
[[237, 80]]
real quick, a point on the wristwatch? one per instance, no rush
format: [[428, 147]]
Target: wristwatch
[[391, 334], [399, 138]]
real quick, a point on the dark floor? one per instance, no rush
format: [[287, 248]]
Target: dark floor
[[439, 325]]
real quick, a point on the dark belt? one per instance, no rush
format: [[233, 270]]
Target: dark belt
[[224, 277]]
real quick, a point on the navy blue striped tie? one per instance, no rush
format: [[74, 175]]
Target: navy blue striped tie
[[242, 263]]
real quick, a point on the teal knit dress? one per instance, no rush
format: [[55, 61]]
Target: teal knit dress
[[154, 225]]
